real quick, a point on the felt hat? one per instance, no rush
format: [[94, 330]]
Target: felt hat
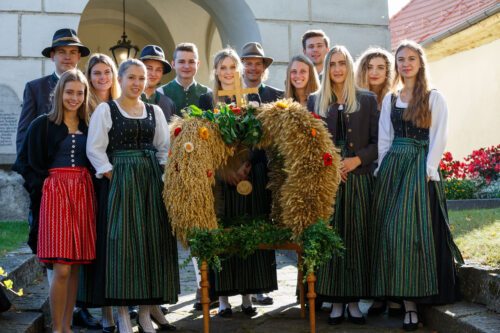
[[154, 52], [255, 50], [66, 37]]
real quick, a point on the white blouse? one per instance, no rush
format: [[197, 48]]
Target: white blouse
[[98, 140], [438, 132]]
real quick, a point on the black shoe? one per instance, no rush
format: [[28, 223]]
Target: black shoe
[[411, 326], [355, 320], [226, 313], [265, 301], [82, 318], [110, 329], [395, 312], [336, 320], [133, 312], [141, 330], [163, 309], [166, 327], [249, 311], [377, 310]]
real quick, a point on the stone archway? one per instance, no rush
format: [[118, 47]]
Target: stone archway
[[210, 24]]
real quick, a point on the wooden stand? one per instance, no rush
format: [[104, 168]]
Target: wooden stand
[[311, 294]]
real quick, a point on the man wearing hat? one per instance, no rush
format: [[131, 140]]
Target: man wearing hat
[[65, 52], [153, 57], [255, 65]]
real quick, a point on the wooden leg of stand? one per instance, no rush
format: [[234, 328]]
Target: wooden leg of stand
[[205, 300], [311, 296], [300, 284]]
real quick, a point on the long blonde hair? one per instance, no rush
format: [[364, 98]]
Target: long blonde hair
[[99, 58], [312, 82], [326, 94], [56, 115], [362, 70], [418, 110], [218, 58]]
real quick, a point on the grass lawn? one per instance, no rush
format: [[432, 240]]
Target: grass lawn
[[12, 235], [477, 234]]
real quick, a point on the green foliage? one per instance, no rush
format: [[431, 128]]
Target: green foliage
[[12, 235], [235, 125], [457, 189], [319, 242]]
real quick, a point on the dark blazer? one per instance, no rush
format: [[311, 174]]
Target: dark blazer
[[37, 100], [37, 153], [270, 94], [362, 128], [207, 100]]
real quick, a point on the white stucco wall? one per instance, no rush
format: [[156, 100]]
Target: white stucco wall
[[470, 82]]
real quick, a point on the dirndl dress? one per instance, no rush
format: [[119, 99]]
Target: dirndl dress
[[137, 257], [412, 248], [66, 233], [257, 272], [346, 278]]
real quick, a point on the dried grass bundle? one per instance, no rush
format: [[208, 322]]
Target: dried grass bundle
[[304, 188], [190, 176]]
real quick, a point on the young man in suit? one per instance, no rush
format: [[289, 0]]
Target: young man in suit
[[255, 72], [315, 44]]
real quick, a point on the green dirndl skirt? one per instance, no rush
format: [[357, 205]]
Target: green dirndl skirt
[[141, 254], [257, 272], [410, 236], [348, 276]]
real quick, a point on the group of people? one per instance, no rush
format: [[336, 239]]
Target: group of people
[[92, 148]]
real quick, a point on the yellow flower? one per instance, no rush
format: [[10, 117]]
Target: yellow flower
[[281, 105], [203, 133], [8, 284], [2, 272], [188, 147], [216, 111], [20, 292]]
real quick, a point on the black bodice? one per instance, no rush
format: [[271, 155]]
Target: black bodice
[[131, 134], [403, 128]]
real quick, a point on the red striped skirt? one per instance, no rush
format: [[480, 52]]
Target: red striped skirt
[[66, 233]]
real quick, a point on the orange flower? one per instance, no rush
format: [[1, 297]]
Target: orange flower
[[216, 111], [203, 133], [313, 132], [209, 173], [169, 152]]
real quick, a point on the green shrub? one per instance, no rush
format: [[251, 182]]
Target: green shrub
[[457, 189]]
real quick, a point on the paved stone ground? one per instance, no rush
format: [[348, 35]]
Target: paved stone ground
[[283, 316]]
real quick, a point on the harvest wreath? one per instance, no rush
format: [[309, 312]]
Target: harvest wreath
[[303, 170]]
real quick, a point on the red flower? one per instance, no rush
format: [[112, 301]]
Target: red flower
[[315, 115], [177, 130], [209, 173], [448, 157], [327, 159], [235, 110]]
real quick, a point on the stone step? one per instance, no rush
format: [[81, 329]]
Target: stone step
[[22, 266], [462, 317], [480, 284], [30, 312]]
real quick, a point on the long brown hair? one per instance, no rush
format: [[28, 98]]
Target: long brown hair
[[312, 82], [56, 115], [418, 110], [99, 58], [362, 70]]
